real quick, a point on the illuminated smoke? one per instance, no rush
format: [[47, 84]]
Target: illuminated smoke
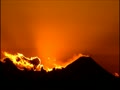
[[35, 63]]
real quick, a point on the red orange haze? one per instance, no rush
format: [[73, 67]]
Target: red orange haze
[[56, 30]]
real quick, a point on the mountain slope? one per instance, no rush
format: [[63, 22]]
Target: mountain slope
[[84, 70]]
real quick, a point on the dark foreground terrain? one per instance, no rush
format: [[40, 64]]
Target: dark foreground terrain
[[82, 73]]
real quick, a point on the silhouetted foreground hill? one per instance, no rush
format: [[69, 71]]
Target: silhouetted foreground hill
[[82, 71]]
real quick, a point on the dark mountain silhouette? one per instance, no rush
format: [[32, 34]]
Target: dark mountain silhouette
[[83, 71]]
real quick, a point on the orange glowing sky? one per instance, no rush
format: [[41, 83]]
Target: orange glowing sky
[[59, 29]]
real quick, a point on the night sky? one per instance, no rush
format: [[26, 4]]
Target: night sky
[[59, 29]]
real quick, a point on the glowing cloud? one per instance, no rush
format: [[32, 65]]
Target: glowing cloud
[[35, 63]]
